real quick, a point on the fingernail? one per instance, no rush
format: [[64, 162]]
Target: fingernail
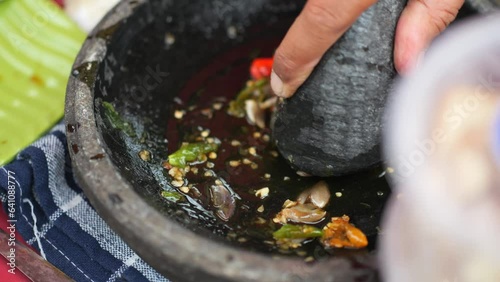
[[420, 59], [276, 84], [416, 63], [496, 136]]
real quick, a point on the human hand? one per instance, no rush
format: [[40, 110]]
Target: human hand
[[322, 22]]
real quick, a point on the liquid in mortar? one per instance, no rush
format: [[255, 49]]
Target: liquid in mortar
[[201, 110]]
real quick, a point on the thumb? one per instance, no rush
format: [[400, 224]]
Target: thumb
[[420, 23], [318, 26]]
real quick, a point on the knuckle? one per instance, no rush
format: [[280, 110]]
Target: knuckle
[[324, 17], [445, 17], [442, 13], [284, 65]]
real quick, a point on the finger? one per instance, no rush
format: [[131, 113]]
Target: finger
[[420, 23], [318, 26]]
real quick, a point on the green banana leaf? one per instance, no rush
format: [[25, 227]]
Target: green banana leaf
[[38, 44]]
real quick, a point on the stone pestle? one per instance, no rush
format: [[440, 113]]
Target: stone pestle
[[332, 125]]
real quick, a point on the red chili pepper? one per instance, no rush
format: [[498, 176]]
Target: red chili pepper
[[261, 68], [60, 3]]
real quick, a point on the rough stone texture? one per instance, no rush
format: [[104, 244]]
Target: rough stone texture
[[332, 125], [118, 183], [484, 6]]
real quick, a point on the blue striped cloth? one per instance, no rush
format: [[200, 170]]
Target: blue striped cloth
[[54, 216]]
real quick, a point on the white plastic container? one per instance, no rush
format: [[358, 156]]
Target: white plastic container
[[443, 140], [87, 13]]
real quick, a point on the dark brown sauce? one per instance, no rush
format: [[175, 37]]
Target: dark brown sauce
[[363, 195]]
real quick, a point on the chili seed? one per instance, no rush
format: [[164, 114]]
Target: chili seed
[[217, 106], [303, 174], [179, 114], [177, 183], [169, 39], [145, 155], [262, 193], [252, 151], [234, 163], [261, 208]]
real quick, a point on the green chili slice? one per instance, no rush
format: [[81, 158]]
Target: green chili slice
[[190, 152], [290, 231]]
